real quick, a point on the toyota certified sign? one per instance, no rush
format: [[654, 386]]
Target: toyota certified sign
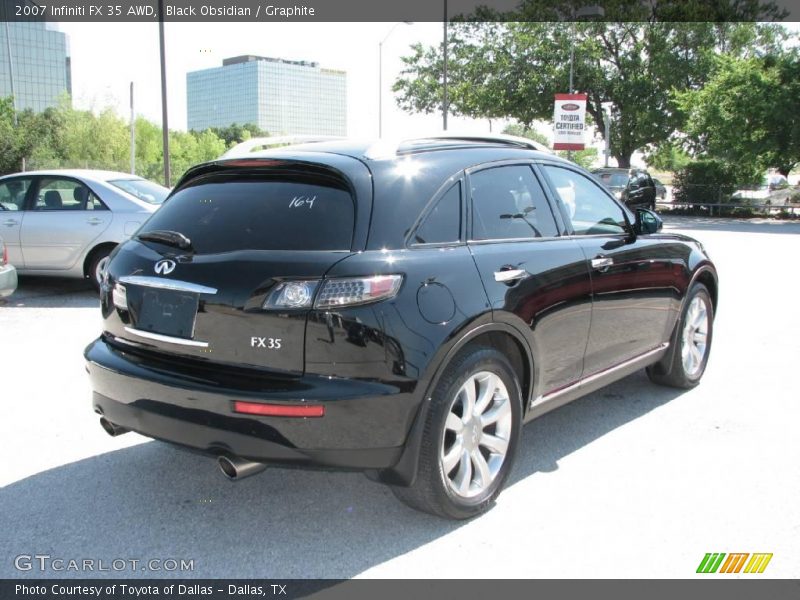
[[569, 122]]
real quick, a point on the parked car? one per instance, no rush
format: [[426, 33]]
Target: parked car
[[8, 274], [661, 189], [634, 187], [67, 222], [400, 311]]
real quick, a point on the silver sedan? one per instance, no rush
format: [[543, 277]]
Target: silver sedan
[[66, 222], [8, 274]]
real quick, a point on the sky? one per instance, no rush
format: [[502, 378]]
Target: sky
[[107, 57]]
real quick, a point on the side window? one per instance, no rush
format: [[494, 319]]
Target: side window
[[12, 194], [588, 207], [65, 194], [443, 223], [509, 203]]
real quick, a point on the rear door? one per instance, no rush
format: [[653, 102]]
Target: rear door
[[63, 219], [240, 294], [531, 274], [632, 279], [13, 194]]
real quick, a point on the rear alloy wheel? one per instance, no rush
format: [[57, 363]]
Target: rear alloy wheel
[[686, 361], [97, 267], [470, 438]]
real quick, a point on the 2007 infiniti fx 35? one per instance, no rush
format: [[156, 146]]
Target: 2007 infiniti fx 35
[[400, 310]]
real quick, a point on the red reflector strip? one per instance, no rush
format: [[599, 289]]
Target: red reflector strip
[[279, 410]]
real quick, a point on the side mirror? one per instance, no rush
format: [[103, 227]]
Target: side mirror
[[647, 221]]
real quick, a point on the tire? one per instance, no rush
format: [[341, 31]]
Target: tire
[[97, 263], [463, 464], [690, 346]]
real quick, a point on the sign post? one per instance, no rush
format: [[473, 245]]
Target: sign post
[[569, 119]]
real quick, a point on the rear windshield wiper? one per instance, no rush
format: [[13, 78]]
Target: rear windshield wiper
[[165, 236]]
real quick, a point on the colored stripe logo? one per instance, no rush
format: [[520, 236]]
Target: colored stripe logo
[[732, 563]]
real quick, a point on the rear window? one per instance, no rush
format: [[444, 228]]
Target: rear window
[[224, 213], [142, 189]]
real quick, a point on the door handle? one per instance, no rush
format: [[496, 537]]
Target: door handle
[[10, 222], [94, 221], [509, 275], [602, 262]]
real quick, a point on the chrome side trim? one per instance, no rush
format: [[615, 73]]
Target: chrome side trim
[[165, 338], [540, 400], [166, 284]]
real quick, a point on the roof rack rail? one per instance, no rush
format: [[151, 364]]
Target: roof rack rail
[[248, 146], [386, 148]]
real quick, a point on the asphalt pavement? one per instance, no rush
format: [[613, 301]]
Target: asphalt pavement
[[632, 481]]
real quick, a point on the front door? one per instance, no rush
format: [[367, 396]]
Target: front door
[[631, 277], [13, 193]]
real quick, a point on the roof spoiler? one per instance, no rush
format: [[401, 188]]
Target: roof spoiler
[[246, 147]]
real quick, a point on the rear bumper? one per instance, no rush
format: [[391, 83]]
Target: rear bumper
[[8, 280], [364, 427]]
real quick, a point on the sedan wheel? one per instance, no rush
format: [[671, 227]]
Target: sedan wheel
[[695, 337]]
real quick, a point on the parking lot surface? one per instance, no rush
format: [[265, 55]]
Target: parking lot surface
[[632, 481]]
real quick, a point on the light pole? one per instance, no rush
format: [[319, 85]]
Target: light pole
[[606, 106], [133, 136], [164, 121], [444, 72], [380, 75]]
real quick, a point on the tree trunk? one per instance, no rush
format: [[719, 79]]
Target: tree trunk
[[785, 170], [623, 159]]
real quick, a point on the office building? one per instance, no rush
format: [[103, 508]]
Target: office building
[[279, 96], [40, 61]]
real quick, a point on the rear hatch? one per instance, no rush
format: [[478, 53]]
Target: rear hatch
[[205, 279]]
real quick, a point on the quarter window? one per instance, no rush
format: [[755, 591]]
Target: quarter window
[[443, 223], [585, 204], [509, 203]]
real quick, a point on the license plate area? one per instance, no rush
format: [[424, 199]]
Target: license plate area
[[166, 312]]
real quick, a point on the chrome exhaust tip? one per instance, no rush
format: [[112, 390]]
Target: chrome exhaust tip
[[235, 468], [112, 429]]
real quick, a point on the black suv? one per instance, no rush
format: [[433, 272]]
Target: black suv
[[399, 310], [634, 187]]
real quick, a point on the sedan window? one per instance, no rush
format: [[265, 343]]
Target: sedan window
[[65, 194], [585, 204], [12, 194]]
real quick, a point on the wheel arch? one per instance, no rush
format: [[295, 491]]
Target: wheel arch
[[501, 336], [87, 261]]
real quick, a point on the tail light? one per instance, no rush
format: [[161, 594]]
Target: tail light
[[335, 292], [4, 260]]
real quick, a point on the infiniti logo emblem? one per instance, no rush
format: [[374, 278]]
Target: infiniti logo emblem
[[165, 267]]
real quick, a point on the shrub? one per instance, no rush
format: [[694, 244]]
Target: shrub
[[704, 182]]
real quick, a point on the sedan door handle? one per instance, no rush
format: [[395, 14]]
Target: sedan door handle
[[509, 275], [10, 222], [602, 262], [94, 221]]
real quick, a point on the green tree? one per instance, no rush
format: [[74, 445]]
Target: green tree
[[513, 69], [235, 134], [748, 114]]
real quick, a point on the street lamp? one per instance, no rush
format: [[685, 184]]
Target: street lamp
[[380, 75], [164, 122], [606, 106], [583, 13]]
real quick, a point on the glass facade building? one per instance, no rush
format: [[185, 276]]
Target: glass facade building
[[41, 64], [279, 96]]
